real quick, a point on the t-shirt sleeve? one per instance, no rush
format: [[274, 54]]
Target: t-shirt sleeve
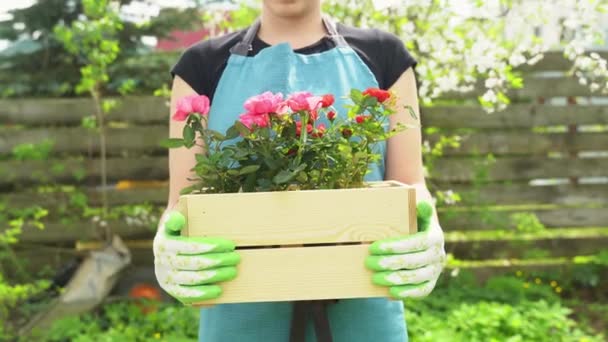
[[398, 59], [189, 68]]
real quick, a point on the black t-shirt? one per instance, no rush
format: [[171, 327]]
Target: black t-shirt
[[202, 64]]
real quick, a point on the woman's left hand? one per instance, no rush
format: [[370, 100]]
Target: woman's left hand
[[410, 265]]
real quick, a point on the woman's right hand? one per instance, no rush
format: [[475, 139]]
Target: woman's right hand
[[189, 268]]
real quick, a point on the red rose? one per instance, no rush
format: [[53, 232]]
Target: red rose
[[361, 118], [347, 133], [328, 100], [331, 116], [381, 95]]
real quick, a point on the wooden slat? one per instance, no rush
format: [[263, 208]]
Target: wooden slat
[[78, 140], [145, 140], [52, 201], [515, 116], [35, 172], [533, 88], [303, 217], [554, 61], [152, 110], [69, 112], [519, 168], [70, 231], [499, 194], [561, 217], [495, 249], [490, 194], [526, 143], [156, 168], [304, 273]]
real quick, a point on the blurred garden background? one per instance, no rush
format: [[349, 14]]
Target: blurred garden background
[[514, 97]]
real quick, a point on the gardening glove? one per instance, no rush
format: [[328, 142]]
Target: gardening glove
[[188, 268], [410, 265]]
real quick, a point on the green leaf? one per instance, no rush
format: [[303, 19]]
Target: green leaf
[[201, 158], [284, 176], [243, 130], [302, 177], [172, 143], [370, 101], [240, 154], [232, 133], [249, 169], [412, 113], [189, 189], [188, 134], [356, 95], [217, 135]]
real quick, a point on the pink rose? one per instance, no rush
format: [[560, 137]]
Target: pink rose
[[191, 104], [304, 100], [252, 120], [264, 103]]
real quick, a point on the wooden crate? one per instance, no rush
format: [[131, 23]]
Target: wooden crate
[[302, 245]]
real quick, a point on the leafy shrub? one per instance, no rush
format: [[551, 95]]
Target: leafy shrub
[[124, 321]]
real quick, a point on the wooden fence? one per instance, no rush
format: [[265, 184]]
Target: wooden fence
[[549, 159]]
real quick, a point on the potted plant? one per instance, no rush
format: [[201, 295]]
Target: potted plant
[[295, 172]]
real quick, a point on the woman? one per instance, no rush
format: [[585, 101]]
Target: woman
[[320, 57]]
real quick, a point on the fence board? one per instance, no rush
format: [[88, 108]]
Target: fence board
[[67, 171], [79, 140], [515, 116], [53, 200], [490, 194], [68, 232], [69, 112], [498, 249], [499, 194], [534, 87], [554, 60], [519, 168], [155, 168], [553, 218], [526, 143]]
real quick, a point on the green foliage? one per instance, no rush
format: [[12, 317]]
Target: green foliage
[[506, 308], [37, 63], [21, 285], [459, 309], [292, 150], [33, 151], [527, 223], [93, 39], [125, 322]]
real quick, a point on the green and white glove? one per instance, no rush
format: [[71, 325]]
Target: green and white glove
[[189, 268], [410, 265]]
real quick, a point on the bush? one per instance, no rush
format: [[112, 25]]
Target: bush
[[124, 321], [493, 321]]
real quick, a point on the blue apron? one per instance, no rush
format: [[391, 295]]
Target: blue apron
[[279, 69]]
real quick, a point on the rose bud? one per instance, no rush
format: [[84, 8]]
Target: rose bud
[[347, 133], [328, 100], [331, 116]]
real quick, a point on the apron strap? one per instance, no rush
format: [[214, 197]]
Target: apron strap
[[332, 31], [243, 47], [301, 312]]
